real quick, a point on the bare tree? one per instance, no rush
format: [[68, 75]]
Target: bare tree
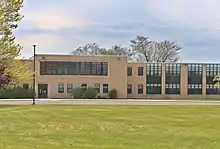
[[166, 51], [141, 46], [152, 51], [119, 51], [141, 49], [88, 49]]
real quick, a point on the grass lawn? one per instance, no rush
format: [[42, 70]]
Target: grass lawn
[[109, 127]]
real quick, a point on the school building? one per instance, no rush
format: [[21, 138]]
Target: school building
[[57, 75]]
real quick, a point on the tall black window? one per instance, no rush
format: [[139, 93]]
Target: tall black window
[[173, 78], [154, 73], [129, 71], [140, 71], [195, 78], [73, 68], [212, 70]]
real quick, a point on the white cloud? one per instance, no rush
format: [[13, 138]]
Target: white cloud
[[191, 13]]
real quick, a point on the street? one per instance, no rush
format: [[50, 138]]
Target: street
[[107, 102]]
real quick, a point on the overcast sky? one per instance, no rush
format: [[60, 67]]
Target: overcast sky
[[60, 26]]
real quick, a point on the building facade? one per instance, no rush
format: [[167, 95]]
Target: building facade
[[57, 75]]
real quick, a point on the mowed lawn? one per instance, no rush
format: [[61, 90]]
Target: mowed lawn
[[109, 127]]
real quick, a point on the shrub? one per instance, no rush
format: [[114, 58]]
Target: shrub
[[113, 94], [16, 93], [77, 93], [90, 93]]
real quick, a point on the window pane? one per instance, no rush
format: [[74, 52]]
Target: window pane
[[140, 88], [73, 68], [105, 88], [97, 87], [129, 88], [84, 87], [69, 88], [60, 88], [140, 71], [129, 71]]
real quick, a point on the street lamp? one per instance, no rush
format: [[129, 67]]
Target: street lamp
[[34, 97]]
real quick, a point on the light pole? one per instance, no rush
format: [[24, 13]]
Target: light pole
[[34, 96]]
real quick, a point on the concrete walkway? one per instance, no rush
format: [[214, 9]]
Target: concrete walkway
[[107, 102]]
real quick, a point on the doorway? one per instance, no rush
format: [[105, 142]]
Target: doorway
[[42, 90]]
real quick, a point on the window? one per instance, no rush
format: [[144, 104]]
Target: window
[[26, 86], [153, 89], [140, 88], [60, 88], [195, 78], [212, 70], [129, 71], [105, 88], [97, 87], [73, 68], [140, 71], [153, 77], [173, 78], [84, 87], [129, 88], [69, 88]]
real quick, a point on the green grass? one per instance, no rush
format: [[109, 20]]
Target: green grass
[[109, 127]]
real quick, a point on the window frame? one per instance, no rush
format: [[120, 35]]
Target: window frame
[[129, 71], [129, 88], [140, 89], [154, 78], [97, 87], [173, 78], [140, 71], [69, 88], [105, 90], [84, 87], [60, 88], [195, 71], [73, 68]]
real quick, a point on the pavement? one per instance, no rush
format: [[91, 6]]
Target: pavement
[[108, 102]]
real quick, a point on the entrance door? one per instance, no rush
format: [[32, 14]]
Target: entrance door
[[42, 90]]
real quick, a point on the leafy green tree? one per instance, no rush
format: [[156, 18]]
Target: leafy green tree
[[12, 71]]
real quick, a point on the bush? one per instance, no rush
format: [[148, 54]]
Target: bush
[[77, 93], [113, 94], [90, 93], [17, 93]]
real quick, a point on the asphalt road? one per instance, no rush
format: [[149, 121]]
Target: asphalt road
[[107, 102]]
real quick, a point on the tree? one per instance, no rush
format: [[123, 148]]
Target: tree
[[119, 51], [13, 71], [152, 51], [95, 49], [141, 49], [88, 49]]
